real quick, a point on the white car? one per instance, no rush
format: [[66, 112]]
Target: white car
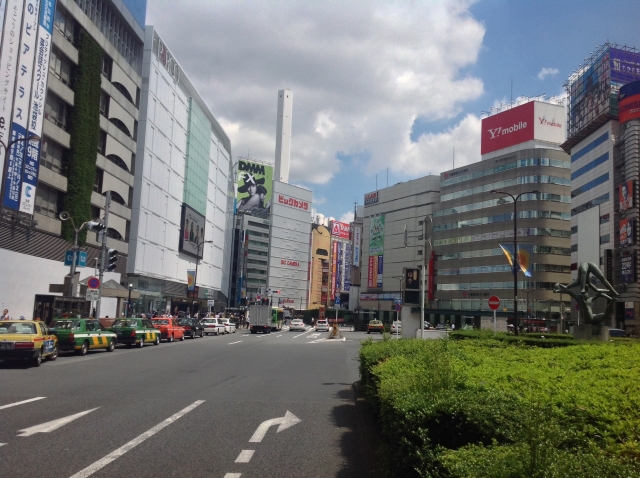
[[322, 325], [396, 327], [229, 324], [222, 322], [297, 324], [211, 326]]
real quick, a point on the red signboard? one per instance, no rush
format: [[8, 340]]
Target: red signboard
[[334, 267], [494, 302], [511, 127], [629, 105], [286, 262], [293, 202], [340, 229], [372, 279]]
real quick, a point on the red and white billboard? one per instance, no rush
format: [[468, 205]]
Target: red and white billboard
[[533, 120], [340, 229], [629, 102], [625, 195]]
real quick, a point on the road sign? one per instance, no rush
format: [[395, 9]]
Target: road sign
[[81, 258], [494, 302], [92, 294], [398, 307], [93, 283], [337, 301], [211, 303]]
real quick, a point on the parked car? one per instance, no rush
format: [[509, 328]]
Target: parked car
[[375, 326], [169, 329], [616, 333], [27, 340], [80, 335], [192, 327], [443, 327], [135, 331], [322, 326], [211, 326], [297, 324], [396, 327], [229, 325]]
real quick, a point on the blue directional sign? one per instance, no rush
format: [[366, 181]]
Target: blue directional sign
[[337, 301], [81, 258]]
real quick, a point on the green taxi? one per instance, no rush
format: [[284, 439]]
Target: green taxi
[[135, 332], [82, 335]]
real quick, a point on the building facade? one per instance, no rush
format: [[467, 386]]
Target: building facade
[[36, 244], [180, 249], [319, 276]]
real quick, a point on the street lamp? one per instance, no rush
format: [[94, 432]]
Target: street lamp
[[515, 250], [129, 301]]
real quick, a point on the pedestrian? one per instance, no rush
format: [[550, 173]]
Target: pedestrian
[[5, 315]]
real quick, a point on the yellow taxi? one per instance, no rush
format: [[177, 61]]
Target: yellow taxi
[[27, 340]]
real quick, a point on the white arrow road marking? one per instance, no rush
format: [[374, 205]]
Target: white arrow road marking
[[2, 444], [101, 463], [245, 456], [232, 475], [235, 342], [53, 424], [285, 422], [20, 403]]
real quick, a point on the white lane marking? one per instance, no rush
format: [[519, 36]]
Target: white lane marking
[[20, 403], [53, 424], [279, 335], [232, 475], [101, 463], [245, 456], [2, 444], [300, 335], [285, 422], [235, 342]]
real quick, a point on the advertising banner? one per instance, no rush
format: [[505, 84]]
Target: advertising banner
[[627, 269], [380, 268], [36, 113], [340, 229], [376, 235], [525, 256], [626, 232], [625, 195], [8, 66], [20, 114], [370, 198], [372, 272], [339, 266], [255, 188], [191, 280], [347, 267], [334, 267], [629, 102], [412, 279], [357, 239], [192, 231], [511, 127], [625, 66]]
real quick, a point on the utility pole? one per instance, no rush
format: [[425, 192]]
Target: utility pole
[[103, 251]]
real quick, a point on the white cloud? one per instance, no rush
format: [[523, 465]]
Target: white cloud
[[318, 200], [542, 74], [360, 72], [346, 217]]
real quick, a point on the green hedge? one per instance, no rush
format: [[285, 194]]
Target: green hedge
[[85, 137], [536, 340], [488, 408]]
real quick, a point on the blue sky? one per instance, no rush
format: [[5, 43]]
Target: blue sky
[[379, 85]]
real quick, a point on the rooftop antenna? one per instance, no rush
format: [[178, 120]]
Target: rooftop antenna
[[355, 209]]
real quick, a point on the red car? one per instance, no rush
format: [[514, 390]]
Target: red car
[[169, 329]]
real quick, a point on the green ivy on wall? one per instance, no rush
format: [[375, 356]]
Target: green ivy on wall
[[85, 137]]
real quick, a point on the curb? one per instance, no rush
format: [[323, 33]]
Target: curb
[[369, 428]]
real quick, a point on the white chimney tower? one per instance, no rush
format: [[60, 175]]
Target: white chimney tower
[[283, 136]]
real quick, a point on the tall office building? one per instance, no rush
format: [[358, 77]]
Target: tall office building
[[602, 159], [96, 50], [520, 153], [180, 247]]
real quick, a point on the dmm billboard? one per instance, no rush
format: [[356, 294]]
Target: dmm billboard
[[255, 184]]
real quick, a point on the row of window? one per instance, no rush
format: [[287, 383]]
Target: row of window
[[454, 271], [556, 163], [258, 224], [257, 271], [531, 231], [563, 216], [560, 251], [542, 179], [258, 253], [591, 165], [590, 147], [590, 185], [499, 201], [258, 243], [589, 204], [257, 262], [508, 285], [258, 234]]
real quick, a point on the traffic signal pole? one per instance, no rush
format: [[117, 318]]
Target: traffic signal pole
[[103, 251]]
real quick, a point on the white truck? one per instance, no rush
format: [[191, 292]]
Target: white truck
[[259, 319]]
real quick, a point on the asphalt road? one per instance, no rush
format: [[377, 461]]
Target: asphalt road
[[190, 409]]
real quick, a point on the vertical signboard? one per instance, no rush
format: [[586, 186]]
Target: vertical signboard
[[357, 239], [36, 113], [626, 232], [627, 269], [625, 196], [255, 188], [22, 97], [347, 266], [334, 267], [376, 250]]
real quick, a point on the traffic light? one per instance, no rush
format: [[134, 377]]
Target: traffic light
[[112, 259], [95, 226]]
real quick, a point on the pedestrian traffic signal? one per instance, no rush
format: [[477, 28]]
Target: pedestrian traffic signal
[[112, 259]]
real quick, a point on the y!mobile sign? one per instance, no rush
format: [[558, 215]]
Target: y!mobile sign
[[533, 120]]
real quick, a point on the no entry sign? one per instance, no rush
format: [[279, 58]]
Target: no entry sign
[[93, 283], [494, 302]]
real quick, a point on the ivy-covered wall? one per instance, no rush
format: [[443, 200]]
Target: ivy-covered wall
[[85, 136]]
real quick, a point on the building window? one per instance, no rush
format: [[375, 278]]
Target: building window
[[57, 111], [121, 126], [102, 143], [47, 200], [52, 156], [97, 181], [104, 104], [107, 65], [65, 24], [61, 67], [118, 161], [604, 239]]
